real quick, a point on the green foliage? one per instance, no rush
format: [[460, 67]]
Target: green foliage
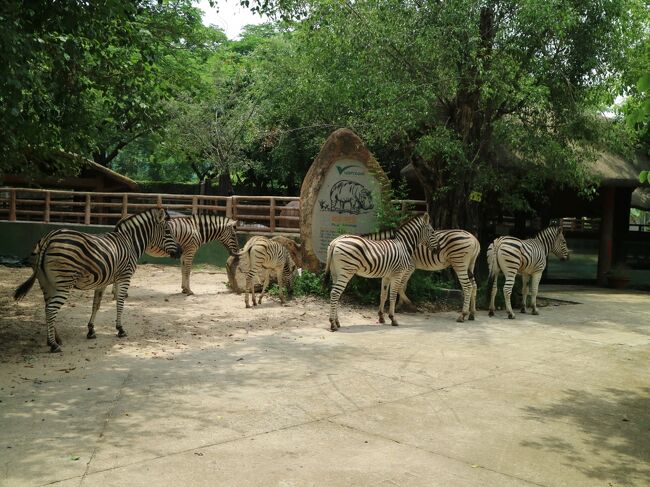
[[309, 284]]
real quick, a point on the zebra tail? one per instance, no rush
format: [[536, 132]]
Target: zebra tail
[[493, 265], [327, 278], [25, 287]]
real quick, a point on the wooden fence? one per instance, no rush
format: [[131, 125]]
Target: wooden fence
[[271, 214]]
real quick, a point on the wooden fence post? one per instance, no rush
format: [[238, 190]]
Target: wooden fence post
[[12, 205], [87, 210], [194, 205], [46, 210], [272, 220], [125, 205], [229, 207], [159, 201]]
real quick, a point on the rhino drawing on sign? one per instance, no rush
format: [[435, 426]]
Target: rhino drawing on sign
[[350, 197]]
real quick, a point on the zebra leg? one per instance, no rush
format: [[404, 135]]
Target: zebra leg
[[507, 293], [122, 287], [340, 282], [466, 284], [385, 283], [534, 287], [472, 303], [186, 268], [52, 306], [278, 273], [524, 291], [394, 290], [249, 286], [265, 285], [493, 294], [97, 301], [405, 302]]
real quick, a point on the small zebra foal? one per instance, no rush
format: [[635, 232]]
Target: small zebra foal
[[389, 259], [459, 250], [511, 255], [66, 259], [264, 254]]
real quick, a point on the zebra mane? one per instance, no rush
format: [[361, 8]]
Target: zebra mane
[[548, 235], [390, 232], [128, 220]]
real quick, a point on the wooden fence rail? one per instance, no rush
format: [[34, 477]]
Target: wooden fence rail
[[272, 214]]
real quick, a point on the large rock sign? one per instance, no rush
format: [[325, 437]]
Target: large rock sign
[[341, 193]]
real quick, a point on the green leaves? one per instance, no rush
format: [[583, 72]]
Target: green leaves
[[644, 176]]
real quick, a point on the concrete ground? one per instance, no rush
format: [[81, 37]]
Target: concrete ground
[[560, 399]]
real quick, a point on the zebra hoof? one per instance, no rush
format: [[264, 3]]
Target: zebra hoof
[[333, 327], [523, 310], [491, 312], [535, 312], [511, 316], [460, 319], [121, 333], [91, 335], [55, 348], [471, 317], [381, 319]]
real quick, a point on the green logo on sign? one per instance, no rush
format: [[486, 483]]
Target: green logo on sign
[[342, 169]]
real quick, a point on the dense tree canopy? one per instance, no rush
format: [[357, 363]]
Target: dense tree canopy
[[487, 100]]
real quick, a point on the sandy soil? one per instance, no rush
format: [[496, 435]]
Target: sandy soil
[[159, 320]]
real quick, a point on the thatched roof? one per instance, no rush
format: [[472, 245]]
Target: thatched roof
[[614, 170]]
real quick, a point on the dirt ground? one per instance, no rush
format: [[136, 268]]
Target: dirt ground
[[159, 319]]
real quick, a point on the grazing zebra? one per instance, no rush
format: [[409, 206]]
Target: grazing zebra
[[66, 259], [511, 255], [389, 259], [191, 232], [267, 254], [458, 250]]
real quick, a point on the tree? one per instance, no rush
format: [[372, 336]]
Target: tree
[[492, 99], [91, 77]]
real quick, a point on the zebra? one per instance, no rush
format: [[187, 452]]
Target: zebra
[[191, 232], [389, 259], [66, 259], [528, 257], [271, 255], [459, 250]]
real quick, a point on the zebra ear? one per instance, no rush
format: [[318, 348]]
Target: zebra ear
[[231, 223], [425, 218]]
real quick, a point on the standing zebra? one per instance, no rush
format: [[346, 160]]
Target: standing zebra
[[191, 232], [389, 259], [270, 255], [511, 255], [459, 250], [66, 259]]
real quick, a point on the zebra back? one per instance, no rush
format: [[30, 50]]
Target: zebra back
[[193, 231]]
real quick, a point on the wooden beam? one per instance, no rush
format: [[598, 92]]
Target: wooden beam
[[606, 235]]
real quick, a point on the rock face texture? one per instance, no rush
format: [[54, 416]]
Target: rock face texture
[[341, 193]]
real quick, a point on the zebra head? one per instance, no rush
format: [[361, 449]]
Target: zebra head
[[418, 231], [151, 228], [229, 237], [559, 245]]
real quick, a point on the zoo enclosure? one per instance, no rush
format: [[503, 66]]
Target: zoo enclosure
[[265, 214]]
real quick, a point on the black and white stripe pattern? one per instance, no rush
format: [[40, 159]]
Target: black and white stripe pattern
[[510, 255], [66, 259], [267, 255], [191, 232], [389, 259], [459, 250]]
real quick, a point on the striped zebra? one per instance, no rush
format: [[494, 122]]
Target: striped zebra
[[528, 257], [66, 259], [389, 259], [191, 232], [459, 250], [264, 254]]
